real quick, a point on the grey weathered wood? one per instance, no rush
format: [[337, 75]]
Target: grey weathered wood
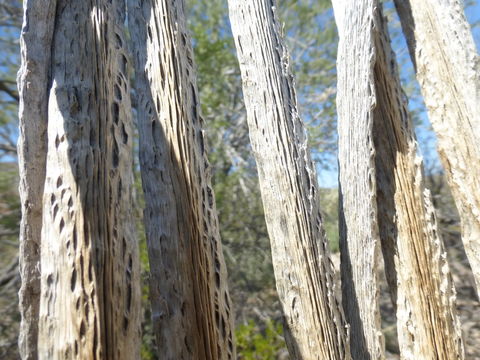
[[33, 77], [90, 276], [448, 69], [416, 264], [192, 314], [424, 294], [359, 234], [314, 323]]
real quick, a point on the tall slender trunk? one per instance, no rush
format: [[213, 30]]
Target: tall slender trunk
[[314, 323], [359, 233], [33, 77], [427, 324], [90, 290], [448, 69], [415, 260], [191, 307]]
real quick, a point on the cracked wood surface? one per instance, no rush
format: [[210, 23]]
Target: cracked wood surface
[[33, 76], [191, 308], [90, 275], [359, 234], [448, 69], [415, 261], [417, 267], [314, 322]]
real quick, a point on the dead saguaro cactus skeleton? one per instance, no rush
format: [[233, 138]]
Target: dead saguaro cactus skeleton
[[398, 210], [75, 95], [447, 67], [36, 36], [191, 308], [314, 323]]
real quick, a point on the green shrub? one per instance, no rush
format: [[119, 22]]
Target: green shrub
[[256, 343]]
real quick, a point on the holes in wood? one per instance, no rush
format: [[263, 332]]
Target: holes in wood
[[115, 155], [74, 237], [117, 91], [82, 329], [149, 31], [115, 113], [118, 41], [124, 134], [123, 62], [90, 271], [124, 247], [73, 280], [55, 211]]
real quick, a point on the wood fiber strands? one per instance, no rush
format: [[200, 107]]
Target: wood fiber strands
[[359, 234], [90, 276], [36, 36], [314, 322], [415, 260], [192, 314], [447, 67]]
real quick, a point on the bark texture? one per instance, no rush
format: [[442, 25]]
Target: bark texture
[[191, 307], [33, 77], [314, 322], [416, 264], [419, 274], [359, 234], [448, 69], [90, 282]]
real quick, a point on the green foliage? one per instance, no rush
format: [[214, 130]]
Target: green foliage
[[254, 343], [10, 203]]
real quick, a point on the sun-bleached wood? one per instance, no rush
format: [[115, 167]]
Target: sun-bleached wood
[[423, 291], [447, 67], [314, 323], [416, 264], [359, 234], [90, 276], [35, 40], [192, 314]]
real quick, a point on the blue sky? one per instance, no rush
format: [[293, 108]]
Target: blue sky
[[473, 16]]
